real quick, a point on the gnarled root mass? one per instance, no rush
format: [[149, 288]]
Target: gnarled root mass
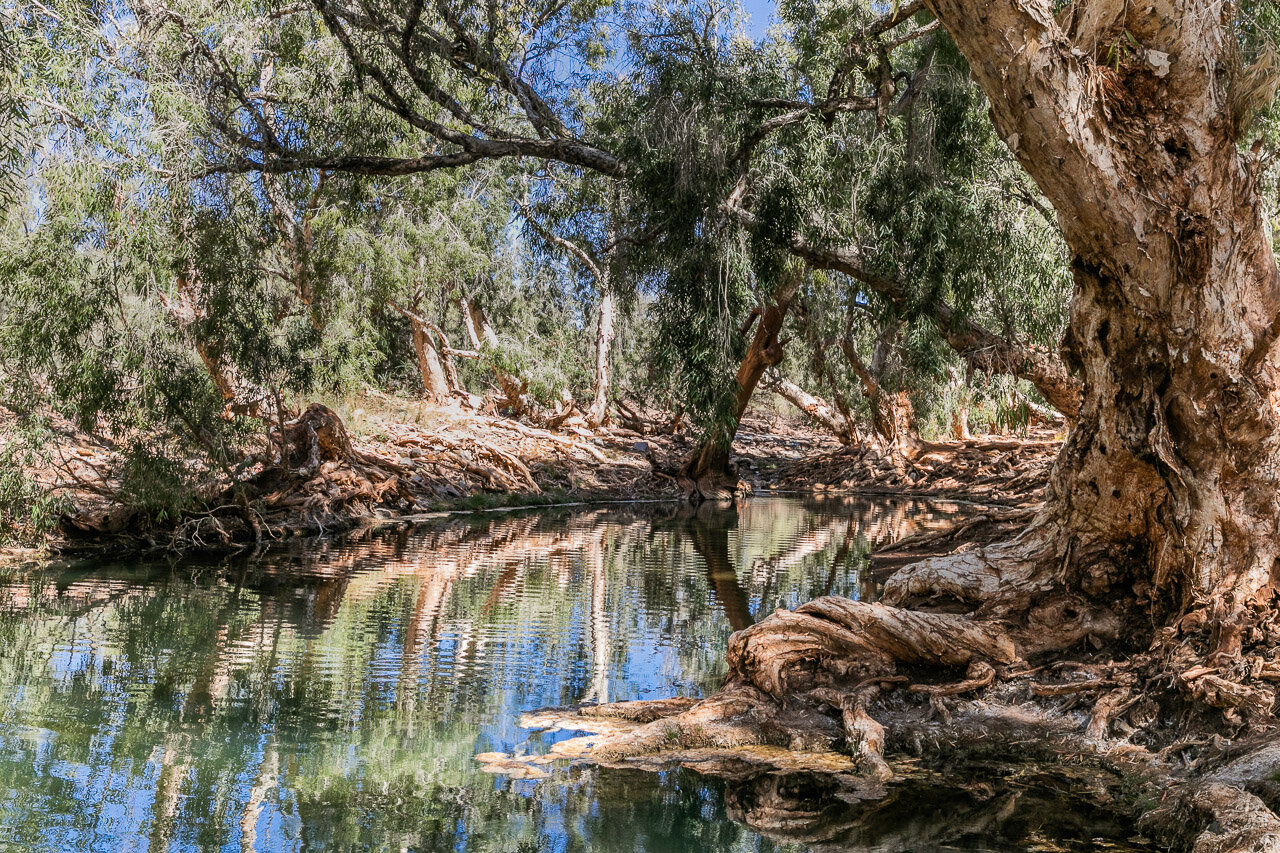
[[840, 687]]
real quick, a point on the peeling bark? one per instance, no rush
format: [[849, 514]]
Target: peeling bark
[[434, 381], [1161, 528], [1170, 481], [597, 413]]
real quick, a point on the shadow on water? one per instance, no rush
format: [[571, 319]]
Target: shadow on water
[[333, 695], [1040, 811]]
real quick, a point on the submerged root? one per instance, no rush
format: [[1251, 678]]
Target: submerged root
[[1214, 817]]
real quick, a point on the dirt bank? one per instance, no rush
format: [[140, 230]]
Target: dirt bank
[[386, 462]]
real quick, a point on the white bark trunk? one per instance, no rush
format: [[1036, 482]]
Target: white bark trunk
[[598, 411]]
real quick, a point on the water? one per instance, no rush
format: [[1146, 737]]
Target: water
[[333, 696]]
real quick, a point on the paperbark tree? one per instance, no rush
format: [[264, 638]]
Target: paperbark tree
[[835, 419], [1164, 503], [1168, 485], [606, 318], [892, 415], [434, 355], [485, 341]]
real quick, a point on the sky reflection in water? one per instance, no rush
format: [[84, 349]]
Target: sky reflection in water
[[333, 696]]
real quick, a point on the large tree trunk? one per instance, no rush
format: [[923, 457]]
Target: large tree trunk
[[605, 322], [892, 414], [708, 472], [1169, 482], [435, 363], [1161, 529]]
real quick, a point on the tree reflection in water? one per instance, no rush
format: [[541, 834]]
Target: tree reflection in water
[[334, 695]]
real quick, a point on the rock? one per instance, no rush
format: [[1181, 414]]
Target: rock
[[641, 447]]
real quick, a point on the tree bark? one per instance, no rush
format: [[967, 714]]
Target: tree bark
[[817, 409], [1167, 487], [891, 413], [708, 471], [434, 381], [439, 373], [598, 411]]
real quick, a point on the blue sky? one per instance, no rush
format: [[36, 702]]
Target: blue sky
[[761, 12]]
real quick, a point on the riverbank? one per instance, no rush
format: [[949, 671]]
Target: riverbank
[[381, 459]]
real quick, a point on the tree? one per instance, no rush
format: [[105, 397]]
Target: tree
[[580, 219], [1158, 539], [1129, 119], [420, 243], [446, 86], [12, 118], [1174, 316]]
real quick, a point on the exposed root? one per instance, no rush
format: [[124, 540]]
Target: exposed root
[[833, 641], [1214, 817], [981, 674], [845, 685], [1106, 707], [975, 577], [864, 738]]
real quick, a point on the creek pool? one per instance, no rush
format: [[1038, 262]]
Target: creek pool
[[332, 695]]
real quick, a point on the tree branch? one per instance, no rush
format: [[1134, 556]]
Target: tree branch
[[980, 348]]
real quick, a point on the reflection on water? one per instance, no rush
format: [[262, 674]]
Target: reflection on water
[[334, 696]]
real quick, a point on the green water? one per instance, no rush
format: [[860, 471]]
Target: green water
[[333, 696]]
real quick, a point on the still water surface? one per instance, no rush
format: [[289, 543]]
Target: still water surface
[[333, 696]]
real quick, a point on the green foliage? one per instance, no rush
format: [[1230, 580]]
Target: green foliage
[[12, 118], [156, 483], [685, 104], [159, 285], [28, 510]]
